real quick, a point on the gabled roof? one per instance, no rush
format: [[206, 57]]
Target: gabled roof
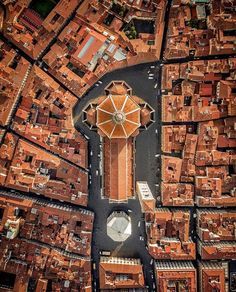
[[117, 273]]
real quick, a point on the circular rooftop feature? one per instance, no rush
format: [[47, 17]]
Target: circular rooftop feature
[[118, 226], [118, 117]]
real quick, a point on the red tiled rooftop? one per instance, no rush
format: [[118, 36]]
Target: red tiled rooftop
[[117, 274], [118, 162], [34, 169]]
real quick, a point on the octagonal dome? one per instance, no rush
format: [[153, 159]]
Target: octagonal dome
[[118, 116], [119, 226]]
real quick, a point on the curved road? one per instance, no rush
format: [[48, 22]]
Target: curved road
[[147, 168]]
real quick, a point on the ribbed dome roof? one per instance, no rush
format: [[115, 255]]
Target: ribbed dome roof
[[118, 116]]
